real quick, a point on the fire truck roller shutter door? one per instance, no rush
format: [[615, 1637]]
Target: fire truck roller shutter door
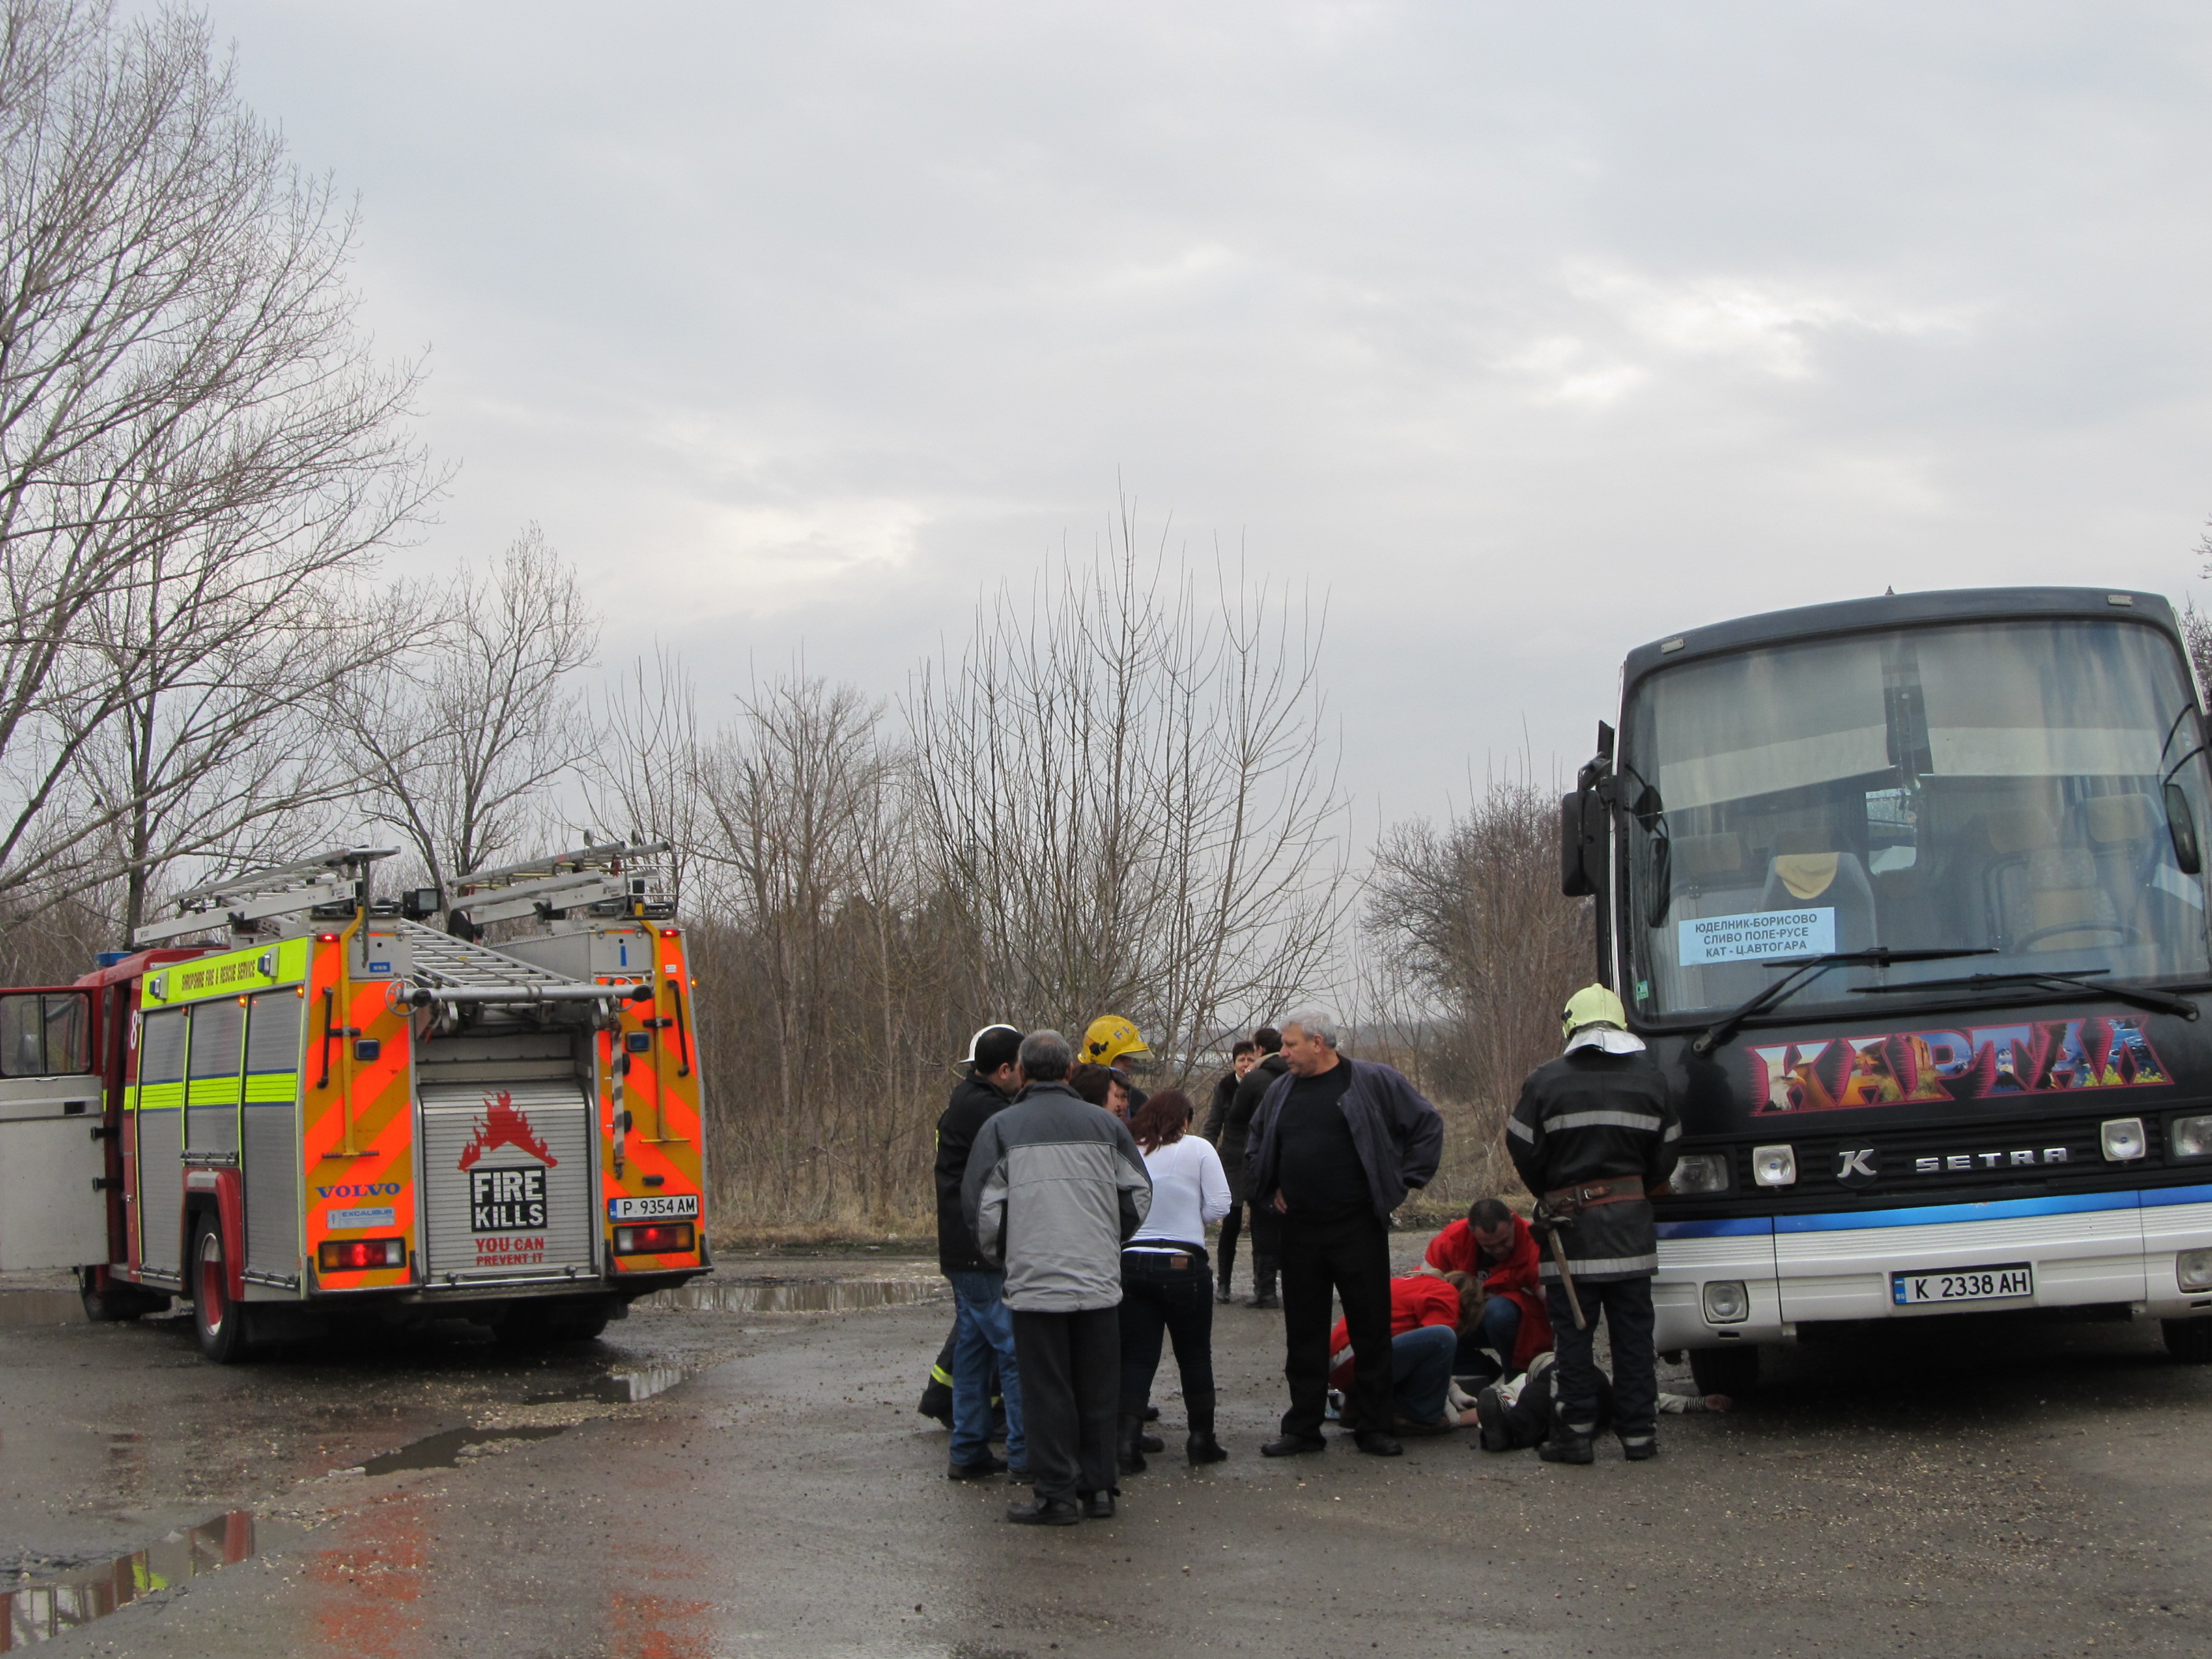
[[271, 1134], [507, 1174], [161, 1114], [218, 1037]]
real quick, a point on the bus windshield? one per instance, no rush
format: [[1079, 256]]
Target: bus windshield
[[1996, 786]]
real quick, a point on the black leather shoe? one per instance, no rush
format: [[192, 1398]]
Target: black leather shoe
[[1204, 1449], [1375, 1444], [1151, 1442], [1265, 1299], [1099, 1506], [1290, 1445], [1221, 1291], [1151, 1415], [1640, 1451], [1045, 1512], [1018, 1477], [1567, 1449], [983, 1469]]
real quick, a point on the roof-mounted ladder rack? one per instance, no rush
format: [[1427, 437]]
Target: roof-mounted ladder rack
[[332, 877], [625, 874]]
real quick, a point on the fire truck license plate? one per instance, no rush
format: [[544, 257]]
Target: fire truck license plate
[[652, 1206], [1962, 1285]]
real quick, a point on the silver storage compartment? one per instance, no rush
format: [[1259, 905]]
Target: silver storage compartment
[[507, 1181], [271, 1135]]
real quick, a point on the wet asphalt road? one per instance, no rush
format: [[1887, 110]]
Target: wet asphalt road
[[1956, 1491]]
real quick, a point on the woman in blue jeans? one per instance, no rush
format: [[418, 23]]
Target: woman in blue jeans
[[1166, 1288]]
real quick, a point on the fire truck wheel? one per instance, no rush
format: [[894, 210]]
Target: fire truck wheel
[[1731, 1371], [2189, 1340], [221, 1325]]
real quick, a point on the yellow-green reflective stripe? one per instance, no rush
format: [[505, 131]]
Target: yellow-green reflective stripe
[[160, 1097], [214, 1091], [262, 1087]]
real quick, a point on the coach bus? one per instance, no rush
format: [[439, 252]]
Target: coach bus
[[1906, 896]]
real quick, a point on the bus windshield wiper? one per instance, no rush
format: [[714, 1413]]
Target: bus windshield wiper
[[1809, 969], [2158, 1002]]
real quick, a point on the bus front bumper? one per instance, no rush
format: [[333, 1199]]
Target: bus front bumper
[[1756, 1279]]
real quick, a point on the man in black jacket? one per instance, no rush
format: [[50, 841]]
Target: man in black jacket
[[1235, 1147], [1594, 1135], [981, 1329], [1242, 1059], [1336, 1146]]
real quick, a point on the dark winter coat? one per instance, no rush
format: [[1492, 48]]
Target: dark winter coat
[[974, 1103], [1235, 1141], [1399, 1135], [1590, 1115]]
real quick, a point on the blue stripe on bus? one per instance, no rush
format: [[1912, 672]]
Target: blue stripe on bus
[[1929, 1214], [1740, 1227], [2177, 1195]]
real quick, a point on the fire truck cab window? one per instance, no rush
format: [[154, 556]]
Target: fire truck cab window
[[1990, 785], [43, 1035]]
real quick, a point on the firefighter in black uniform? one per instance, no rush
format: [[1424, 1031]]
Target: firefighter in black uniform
[[1593, 1135]]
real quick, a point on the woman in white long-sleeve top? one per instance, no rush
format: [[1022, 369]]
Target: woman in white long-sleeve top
[[1166, 1288]]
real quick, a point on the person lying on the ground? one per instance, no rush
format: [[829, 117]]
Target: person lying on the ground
[[1517, 1412], [1497, 1250], [1428, 1316]]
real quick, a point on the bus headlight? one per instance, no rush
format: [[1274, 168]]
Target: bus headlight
[[1706, 1172], [2188, 1137], [2192, 1270], [2123, 1139], [1727, 1303], [1776, 1166]]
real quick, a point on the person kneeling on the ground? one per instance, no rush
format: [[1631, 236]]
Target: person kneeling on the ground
[[1053, 1189], [1497, 1250], [1426, 1315], [1519, 1412]]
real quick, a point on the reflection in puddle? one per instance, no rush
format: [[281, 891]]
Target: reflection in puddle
[[47, 1611], [446, 1450], [19, 1309], [798, 1295], [618, 1388]]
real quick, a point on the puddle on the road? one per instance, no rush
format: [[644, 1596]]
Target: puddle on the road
[[19, 1309], [616, 1389], [447, 1450], [74, 1599], [796, 1295]]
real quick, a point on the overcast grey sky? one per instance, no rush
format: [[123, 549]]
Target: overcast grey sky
[[1526, 334]]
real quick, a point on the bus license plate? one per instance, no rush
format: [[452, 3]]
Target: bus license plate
[[1962, 1285], [653, 1207]]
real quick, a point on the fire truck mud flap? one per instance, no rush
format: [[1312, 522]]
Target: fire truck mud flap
[[508, 1184]]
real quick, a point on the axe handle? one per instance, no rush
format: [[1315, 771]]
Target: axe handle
[[1566, 1280]]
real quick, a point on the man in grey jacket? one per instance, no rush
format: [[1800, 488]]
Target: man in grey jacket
[[1055, 1187]]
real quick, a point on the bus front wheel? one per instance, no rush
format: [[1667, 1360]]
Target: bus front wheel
[[2189, 1340], [1731, 1371]]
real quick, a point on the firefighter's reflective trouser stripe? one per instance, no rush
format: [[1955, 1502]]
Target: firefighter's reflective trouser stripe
[[1626, 1306]]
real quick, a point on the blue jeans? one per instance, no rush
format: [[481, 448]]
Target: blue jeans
[[1499, 1329], [982, 1325], [1421, 1371]]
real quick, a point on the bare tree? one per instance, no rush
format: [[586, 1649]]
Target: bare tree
[[464, 741], [1475, 952], [185, 399], [1129, 799], [644, 776]]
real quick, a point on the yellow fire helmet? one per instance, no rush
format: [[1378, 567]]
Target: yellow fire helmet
[[1594, 1004], [1111, 1036]]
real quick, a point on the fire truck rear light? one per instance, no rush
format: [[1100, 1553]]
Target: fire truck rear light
[[327, 938], [671, 932], [353, 1255], [662, 1238]]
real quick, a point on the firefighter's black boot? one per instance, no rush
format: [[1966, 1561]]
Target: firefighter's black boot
[[1201, 1446], [1146, 1440], [1639, 1448], [937, 1400], [1128, 1426], [1568, 1445], [1263, 1282]]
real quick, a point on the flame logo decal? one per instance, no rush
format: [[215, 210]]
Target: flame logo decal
[[501, 1125]]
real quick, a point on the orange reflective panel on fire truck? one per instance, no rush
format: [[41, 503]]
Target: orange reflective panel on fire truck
[[654, 1158], [357, 1127]]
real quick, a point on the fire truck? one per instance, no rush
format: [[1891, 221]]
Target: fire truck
[[349, 1107], [1906, 896]]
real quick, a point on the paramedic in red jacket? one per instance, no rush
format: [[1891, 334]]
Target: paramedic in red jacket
[[1497, 1250], [1425, 1311]]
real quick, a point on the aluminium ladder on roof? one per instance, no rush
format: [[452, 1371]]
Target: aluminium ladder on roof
[[444, 968]]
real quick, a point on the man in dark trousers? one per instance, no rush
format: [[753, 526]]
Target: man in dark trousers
[[1336, 1146], [1594, 1135], [1055, 1187], [1235, 1146], [981, 1329], [1242, 1059]]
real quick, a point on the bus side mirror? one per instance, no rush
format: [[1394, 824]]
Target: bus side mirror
[[2181, 825]]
